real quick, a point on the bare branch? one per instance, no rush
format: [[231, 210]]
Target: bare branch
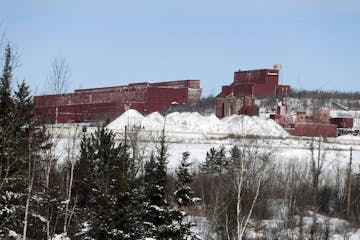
[[59, 76]]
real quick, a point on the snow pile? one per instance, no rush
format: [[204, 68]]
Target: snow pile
[[154, 121], [193, 122], [129, 118], [242, 124]]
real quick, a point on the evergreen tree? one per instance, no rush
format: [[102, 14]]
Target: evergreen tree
[[184, 194], [21, 144], [161, 219], [23, 102], [154, 198], [215, 171], [157, 209], [107, 189], [215, 161], [84, 176], [6, 101], [106, 153], [10, 162]]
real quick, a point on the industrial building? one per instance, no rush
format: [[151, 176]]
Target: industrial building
[[251, 83], [99, 104], [229, 105], [300, 124], [239, 98]]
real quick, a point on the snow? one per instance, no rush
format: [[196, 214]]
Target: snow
[[41, 218], [60, 237], [338, 228], [14, 235], [349, 137], [196, 134], [202, 227], [197, 125], [286, 150], [129, 118], [355, 235]]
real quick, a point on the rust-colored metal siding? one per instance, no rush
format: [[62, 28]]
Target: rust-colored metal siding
[[261, 76], [283, 90], [343, 122], [161, 98], [256, 83], [321, 115], [220, 107], [264, 90], [97, 104], [250, 110], [315, 130]]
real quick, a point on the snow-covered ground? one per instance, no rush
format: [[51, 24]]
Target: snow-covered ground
[[275, 228], [197, 134]]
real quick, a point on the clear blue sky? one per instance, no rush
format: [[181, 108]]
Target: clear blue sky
[[118, 42]]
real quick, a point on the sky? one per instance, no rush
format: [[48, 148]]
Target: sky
[[111, 43]]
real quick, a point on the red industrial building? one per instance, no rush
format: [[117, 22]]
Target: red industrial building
[[257, 83], [301, 124], [239, 98], [251, 83], [343, 122], [226, 106], [98, 104]]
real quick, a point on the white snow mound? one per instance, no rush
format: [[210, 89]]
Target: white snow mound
[[129, 118], [193, 122]]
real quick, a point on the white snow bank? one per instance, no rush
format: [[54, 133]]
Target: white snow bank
[[129, 118], [349, 137], [187, 122]]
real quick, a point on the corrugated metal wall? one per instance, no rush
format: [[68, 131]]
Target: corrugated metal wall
[[98, 104]]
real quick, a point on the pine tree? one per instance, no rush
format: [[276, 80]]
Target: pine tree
[[153, 197], [106, 185], [21, 144], [105, 154], [161, 219], [84, 176], [157, 216], [184, 194], [10, 160], [23, 102], [6, 101], [215, 161]]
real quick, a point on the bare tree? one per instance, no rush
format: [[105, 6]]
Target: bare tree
[[59, 75], [31, 176], [250, 168], [70, 161], [316, 170]]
